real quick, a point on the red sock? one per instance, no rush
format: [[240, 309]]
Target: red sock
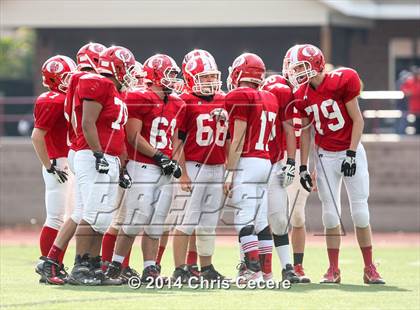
[[333, 257], [126, 261], [192, 258], [46, 239], [160, 254], [108, 243], [252, 255], [55, 253], [249, 245], [265, 248], [367, 255], [265, 261], [61, 257]]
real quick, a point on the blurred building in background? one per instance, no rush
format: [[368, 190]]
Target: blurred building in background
[[379, 38]]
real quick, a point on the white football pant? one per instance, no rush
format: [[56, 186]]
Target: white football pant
[[98, 191], [56, 194], [203, 207], [148, 200], [250, 184], [329, 179]]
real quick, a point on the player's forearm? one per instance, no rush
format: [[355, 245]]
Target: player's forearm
[[142, 146], [356, 133], [178, 153], [181, 161], [123, 158], [227, 149], [38, 141], [237, 144], [305, 141], [91, 135], [290, 140], [178, 147], [235, 152]]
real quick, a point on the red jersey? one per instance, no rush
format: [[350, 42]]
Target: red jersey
[[112, 118], [205, 135], [257, 108], [326, 107], [69, 105], [277, 143], [278, 80], [160, 120], [49, 116]]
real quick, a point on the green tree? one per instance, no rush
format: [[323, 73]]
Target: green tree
[[16, 54]]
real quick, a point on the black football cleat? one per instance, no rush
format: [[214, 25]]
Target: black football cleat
[[81, 273], [183, 274], [211, 274], [51, 272], [288, 273], [128, 273]]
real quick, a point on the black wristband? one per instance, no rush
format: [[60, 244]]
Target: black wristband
[[51, 169], [98, 154], [303, 168], [291, 161], [182, 135], [350, 153], [158, 156]]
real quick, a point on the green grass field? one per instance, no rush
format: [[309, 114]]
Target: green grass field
[[399, 266]]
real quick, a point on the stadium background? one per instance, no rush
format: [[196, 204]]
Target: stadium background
[[378, 38]]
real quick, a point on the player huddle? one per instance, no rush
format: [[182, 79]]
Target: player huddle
[[152, 153]]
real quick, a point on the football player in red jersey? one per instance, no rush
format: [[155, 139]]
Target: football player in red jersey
[[180, 199], [252, 114], [296, 195], [295, 192], [152, 134], [329, 100], [204, 132], [87, 60], [50, 144], [101, 115], [110, 237], [283, 173]]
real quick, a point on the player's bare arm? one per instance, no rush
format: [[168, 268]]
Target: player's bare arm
[[290, 139], [123, 157], [91, 111], [235, 151], [38, 140], [353, 109], [348, 167], [179, 155], [134, 137], [305, 142]]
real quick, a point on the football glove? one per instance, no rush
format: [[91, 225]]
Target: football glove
[[305, 178], [178, 170], [60, 175], [219, 114], [125, 179], [287, 173], [168, 166], [348, 167], [102, 165]]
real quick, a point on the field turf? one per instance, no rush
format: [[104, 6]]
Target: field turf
[[399, 266]]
